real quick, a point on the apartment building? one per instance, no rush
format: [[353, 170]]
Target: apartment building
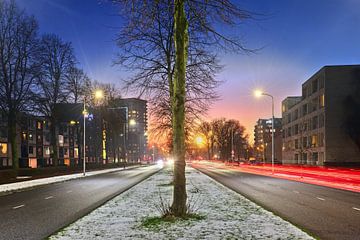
[[136, 127], [113, 134], [315, 129], [263, 138]]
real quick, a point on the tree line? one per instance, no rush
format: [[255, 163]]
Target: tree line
[[36, 73], [222, 136]]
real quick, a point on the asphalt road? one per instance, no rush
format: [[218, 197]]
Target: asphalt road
[[39, 212], [324, 212]]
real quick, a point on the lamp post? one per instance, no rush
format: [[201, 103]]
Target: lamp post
[[258, 94], [98, 95]]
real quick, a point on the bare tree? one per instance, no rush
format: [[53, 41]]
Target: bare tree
[[75, 85], [147, 47], [57, 60], [156, 41], [229, 135], [18, 47]]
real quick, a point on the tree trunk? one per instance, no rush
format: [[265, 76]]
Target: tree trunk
[[178, 207], [12, 139], [54, 140]]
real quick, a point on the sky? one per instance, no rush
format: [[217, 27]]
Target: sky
[[295, 37]]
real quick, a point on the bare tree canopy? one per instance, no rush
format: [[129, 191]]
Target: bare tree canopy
[[57, 61], [18, 50], [75, 85], [146, 46], [222, 136]]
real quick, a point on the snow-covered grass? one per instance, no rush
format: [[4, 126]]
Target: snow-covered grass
[[43, 181], [223, 214]]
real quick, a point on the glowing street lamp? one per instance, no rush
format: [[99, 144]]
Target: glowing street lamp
[[258, 94], [98, 94], [199, 141], [132, 122]]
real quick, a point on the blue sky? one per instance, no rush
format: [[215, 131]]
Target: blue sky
[[298, 36]]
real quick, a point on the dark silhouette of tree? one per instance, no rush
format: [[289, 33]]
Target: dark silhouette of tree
[[57, 61], [75, 84], [18, 68], [220, 134]]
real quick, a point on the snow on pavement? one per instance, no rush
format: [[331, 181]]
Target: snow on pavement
[[228, 215], [43, 181]]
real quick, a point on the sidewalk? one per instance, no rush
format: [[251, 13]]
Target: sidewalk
[[225, 214], [340, 178], [10, 187]]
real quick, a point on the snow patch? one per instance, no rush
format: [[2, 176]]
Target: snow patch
[[228, 214]]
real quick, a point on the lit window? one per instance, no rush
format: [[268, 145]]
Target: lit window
[[314, 140], [76, 152], [47, 150], [322, 100], [3, 148]]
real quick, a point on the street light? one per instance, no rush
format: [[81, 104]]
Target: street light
[[98, 94], [258, 94]]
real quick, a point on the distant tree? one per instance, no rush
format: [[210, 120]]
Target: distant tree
[[206, 129], [18, 68], [57, 61], [226, 133], [75, 84]]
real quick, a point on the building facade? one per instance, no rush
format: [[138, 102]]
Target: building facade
[[135, 128], [263, 139], [315, 129], [115, 133]]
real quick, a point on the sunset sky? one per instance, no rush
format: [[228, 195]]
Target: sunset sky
[[297, 38]]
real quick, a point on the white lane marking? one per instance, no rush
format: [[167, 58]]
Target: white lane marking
[[322, 199], [49, 197], [20, 206], [355, 208], [69, 191], [296, 192]]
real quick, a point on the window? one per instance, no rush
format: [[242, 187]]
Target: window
[[314, 104], [47, 151], [23, 136], [31, 150], [304, 109], [39, 151], [314, 141], [314, 85], [304, 142], [315, 122], [31, 136], [3, 133], [296, 114], [321, 83], [39, 125], [321, 139], [296, 143], [296, 129], [322, 100], [304, 92], [321, 120], [3, 148]]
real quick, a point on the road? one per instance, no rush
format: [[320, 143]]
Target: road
[[324, 212], [39, 212]]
